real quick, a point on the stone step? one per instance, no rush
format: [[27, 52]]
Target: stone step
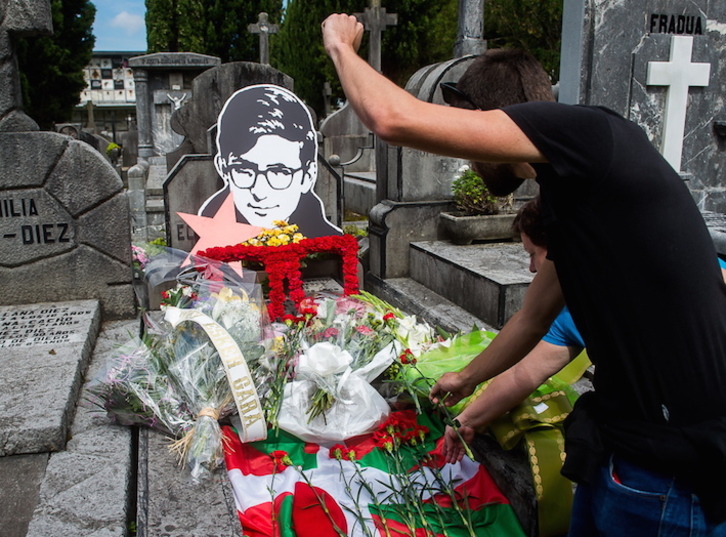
[[169, 505], [487, 280], [414, 298], [86, 489]]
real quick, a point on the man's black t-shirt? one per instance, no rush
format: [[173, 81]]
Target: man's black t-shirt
[[639, 273]]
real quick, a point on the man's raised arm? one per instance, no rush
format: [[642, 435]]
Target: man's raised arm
[[399, 118]]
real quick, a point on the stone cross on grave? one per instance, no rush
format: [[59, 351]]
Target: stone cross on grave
[[20, 18], [678, 75], [375, 20], [264, 28]]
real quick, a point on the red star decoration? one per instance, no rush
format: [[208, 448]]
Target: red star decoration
[[222, 229]]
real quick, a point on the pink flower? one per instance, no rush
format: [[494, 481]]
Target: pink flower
[[351, 307], [331, 331], [364, 330]]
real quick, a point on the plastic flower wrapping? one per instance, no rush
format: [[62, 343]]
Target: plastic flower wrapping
[[342, 359], [172, 378]]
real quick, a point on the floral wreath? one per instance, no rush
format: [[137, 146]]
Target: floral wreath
[[283, 263]]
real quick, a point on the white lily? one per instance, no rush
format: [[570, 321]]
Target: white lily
[[323, 359]]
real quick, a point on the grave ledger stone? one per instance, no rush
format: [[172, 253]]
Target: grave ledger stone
[[36, 408], [659, 63]]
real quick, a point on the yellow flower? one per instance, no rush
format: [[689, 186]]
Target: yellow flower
[[227, 295], [282, 234], [278, 345]]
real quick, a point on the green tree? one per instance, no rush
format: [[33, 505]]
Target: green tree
[[425, 34], [51, 67], [214, 27], [534, 25], [298, 49]]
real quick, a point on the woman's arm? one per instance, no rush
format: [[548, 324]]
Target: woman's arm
[[506, 391], [542, 302]]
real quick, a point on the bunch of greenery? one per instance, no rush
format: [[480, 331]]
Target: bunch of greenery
[[471, 195]]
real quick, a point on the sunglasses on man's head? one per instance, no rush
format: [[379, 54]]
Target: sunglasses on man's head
[[452, 94]]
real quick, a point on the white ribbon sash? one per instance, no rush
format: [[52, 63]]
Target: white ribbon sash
[[254, 427]]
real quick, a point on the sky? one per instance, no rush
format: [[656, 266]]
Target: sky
[[119, 25]]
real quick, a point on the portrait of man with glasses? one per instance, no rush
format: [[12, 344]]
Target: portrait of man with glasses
[[267, 158]]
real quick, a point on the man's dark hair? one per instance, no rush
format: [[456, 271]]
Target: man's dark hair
[[529, 221], [264, 109], [501, 77]]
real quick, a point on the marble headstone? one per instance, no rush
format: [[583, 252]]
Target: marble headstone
[[661, 64]]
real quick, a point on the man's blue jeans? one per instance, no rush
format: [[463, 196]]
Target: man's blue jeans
[[628, 500]]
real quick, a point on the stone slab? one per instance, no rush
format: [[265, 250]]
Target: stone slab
[[487, 280], [20, 476], [416, 299], [607, 48], [45, 351], [155, 182], [86, 490], [360, 192], [170, 506]]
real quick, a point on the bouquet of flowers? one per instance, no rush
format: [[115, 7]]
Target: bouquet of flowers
[[174, 379], [327, 359]]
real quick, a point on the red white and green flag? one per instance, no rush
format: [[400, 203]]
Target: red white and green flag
[[391, 483]]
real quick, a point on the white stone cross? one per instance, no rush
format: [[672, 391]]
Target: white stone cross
[[678, 74]]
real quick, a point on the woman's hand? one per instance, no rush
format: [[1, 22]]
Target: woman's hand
[[454, 449]]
